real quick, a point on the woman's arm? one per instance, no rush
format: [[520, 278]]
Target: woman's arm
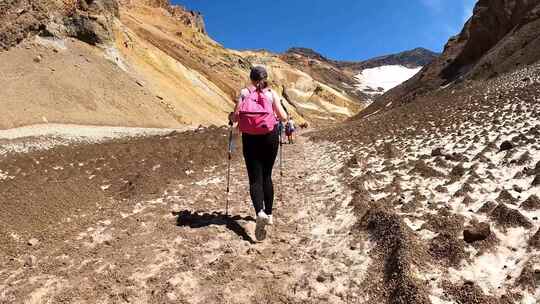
[[278, 107]]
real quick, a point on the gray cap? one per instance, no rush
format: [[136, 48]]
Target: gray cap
[[258, 73]]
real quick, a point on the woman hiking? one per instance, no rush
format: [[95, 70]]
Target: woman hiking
[[257, 112]]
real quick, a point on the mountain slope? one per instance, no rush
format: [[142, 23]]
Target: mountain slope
[[323, 70], [136, 63], [446, 170], [364, 79], [418, 57], [500, 37], [445, 192]]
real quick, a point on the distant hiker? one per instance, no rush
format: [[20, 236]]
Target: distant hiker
[[257, 112], [281, 130], [289, 130]]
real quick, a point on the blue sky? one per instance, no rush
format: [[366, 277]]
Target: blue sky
[[338, 29]]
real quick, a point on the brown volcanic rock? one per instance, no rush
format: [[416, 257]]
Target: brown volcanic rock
[[19, 19], [91, 21], [476, 233], [495, 22], [502, 36], [87, 20]]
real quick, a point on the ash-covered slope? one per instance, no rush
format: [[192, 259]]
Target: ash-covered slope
[[446, 193], [135, 63], [446, 170], [501, 36]]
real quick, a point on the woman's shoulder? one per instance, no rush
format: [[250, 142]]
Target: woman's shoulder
[[244, 91]]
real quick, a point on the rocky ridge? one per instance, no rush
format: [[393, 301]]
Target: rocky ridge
[[500, 37], [344, 75], [418, 57]]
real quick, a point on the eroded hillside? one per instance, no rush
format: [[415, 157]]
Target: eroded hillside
[[500, 37], [136, 63]]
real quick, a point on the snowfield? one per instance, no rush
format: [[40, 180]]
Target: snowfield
[[385, 77]]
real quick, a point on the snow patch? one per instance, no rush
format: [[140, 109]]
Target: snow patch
[[385, 77]]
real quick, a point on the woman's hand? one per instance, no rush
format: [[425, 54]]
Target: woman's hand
[[231, 118]]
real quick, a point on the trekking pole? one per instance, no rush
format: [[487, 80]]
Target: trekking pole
[[230, 149], [281, 164]]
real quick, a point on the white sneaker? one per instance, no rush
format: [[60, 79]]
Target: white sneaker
[[270, 220], [260, 228]]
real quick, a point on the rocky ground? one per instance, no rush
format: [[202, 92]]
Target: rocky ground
[[136, 221], [433, 202], [447, 188]]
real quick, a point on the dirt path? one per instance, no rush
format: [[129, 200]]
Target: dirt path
[[181, 248]]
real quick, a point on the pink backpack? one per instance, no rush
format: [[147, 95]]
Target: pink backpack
[[256, 113]]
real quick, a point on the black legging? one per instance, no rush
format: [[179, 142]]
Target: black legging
[[260, 152]]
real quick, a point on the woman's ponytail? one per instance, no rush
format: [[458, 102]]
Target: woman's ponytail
[[261, 85]]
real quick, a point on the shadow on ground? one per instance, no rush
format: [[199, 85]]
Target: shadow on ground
[[190, 219]]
